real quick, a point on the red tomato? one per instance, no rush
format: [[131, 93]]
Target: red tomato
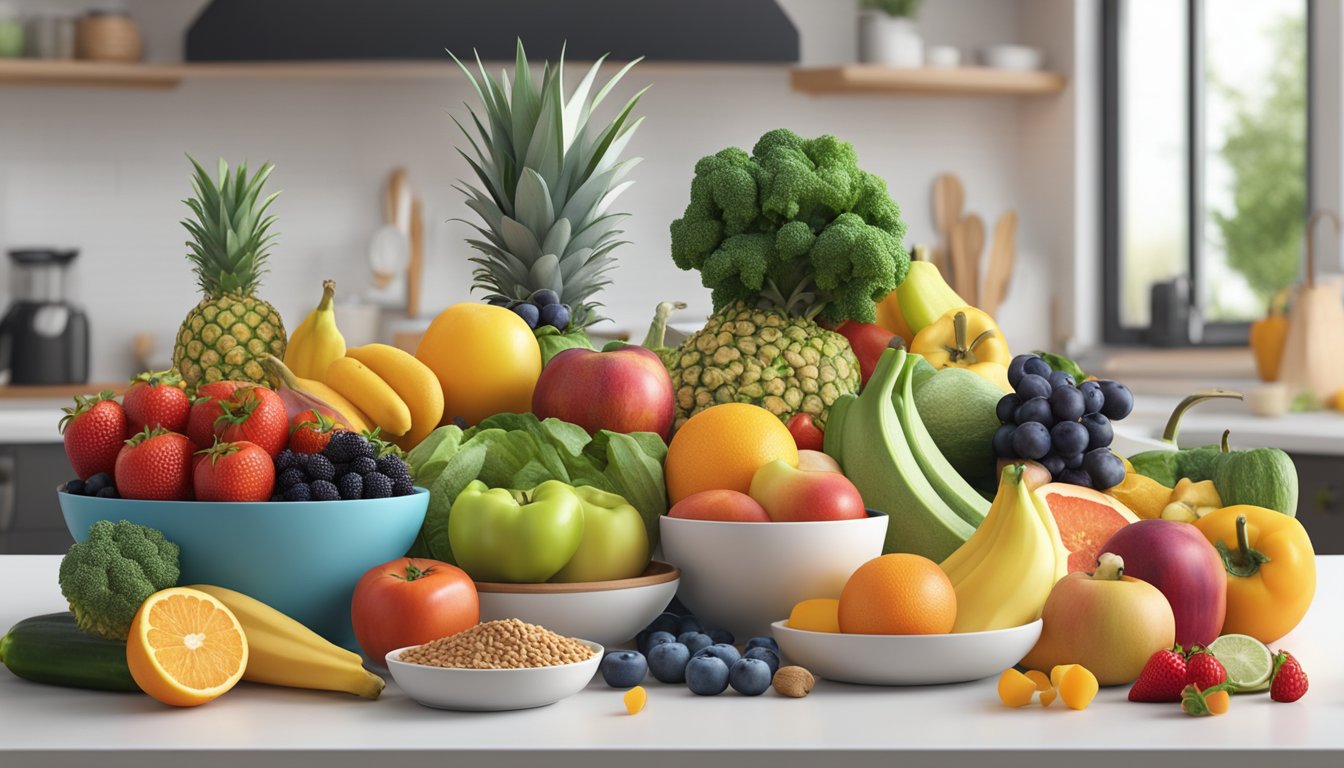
[[806, 434], [409, 601], [869, 341]]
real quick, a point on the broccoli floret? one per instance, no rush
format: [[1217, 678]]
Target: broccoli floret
[[795, 225], [110, 574]]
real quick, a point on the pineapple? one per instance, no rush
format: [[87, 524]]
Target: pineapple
[[547, 179], [228, 334]]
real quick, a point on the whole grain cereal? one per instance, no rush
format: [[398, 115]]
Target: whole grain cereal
[[499, 644]]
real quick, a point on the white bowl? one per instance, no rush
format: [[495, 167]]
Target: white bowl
[[491, 690], [742, 576], [906, 659], [942, 56], [1021, 58], [609, 612]]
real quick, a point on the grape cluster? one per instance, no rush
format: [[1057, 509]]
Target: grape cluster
[[542, 308], [1064, 425]]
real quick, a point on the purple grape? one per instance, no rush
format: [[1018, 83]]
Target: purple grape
[[1066, 403], [1031, 441], [1037, 410], [1037, 367], [1119, 400], [1060, 379], [555, 315], [1069, 437], [1003, 442], [1099, 431], [1032, 385], [1104, 467], [1053, 464], [1075, 477], [1017, 368], [1093, 399], [529, 312], [1073, 460], [1006, 410]]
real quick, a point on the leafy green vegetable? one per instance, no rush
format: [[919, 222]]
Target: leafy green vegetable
[[1062, 363], [518, 451]]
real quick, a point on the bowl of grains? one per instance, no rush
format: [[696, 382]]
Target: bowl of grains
[[498, 665]]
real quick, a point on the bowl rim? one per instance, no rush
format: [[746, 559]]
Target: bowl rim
[[784, 625], [657, 572], [419, 490], [392, 660], [872, 513]]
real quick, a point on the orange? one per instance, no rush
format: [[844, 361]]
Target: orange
[[486, 359], [720, 449], [185, 647], [898, 595]]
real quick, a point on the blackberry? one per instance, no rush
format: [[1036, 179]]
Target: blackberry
[[284, 460], [341, 468], [300, 492], [301, 460], [277, 497], [325, 490], [377, 486], [394, 467], [320, 468], [344, 446], [74, 487], [363, 465], [108, 493], [290, 478], [351, 486], [403, 487]]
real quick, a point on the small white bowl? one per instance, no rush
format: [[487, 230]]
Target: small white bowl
[[942, 56], [742, 576], [1019, 58], [906, 659], [608, 612], [491, 690]]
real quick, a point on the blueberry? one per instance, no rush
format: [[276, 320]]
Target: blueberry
[[666, 622], [655, 637], [377, 486], [721, 636], [1072, 461], [1119, 400], [363, 465], [325, 490], [624, 669], [402, 487], [1037, 410], [74, 487], [108, 493], [1104, 467], [1099, 431], [1035, 366], [556, 315], [1017, 369], [544, 296], [667, 662], [290, 478], [529, 312], [706, 675], [727, 653], [96, 483], [750, 677], [1075, 477], [1031, 441], [1061, 380], [298, 492], [688, 623], [351, 487], [694, 641], [1003, 442], [761, 641], [284, 460], [1066, 404], [1093, 399], [320, 468], [767, 655], [1053, 463], [1006, 410], [1069, 437]]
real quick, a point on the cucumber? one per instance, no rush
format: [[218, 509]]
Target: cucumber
[[52, 649]]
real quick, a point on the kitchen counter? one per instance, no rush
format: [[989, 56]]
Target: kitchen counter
[[31, 420], [838, 724]]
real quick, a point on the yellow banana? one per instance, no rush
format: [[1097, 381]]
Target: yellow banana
[[299, 394], [367, 390], [281, 651], [414, 383], [317, 341], [355, 419]]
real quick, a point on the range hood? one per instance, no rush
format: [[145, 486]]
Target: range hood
[[660, 30]]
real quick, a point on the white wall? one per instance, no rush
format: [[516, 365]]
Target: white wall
[[104, 170]]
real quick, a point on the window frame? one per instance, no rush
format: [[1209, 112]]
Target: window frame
[[1112, 40]]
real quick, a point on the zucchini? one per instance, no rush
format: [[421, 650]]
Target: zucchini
[[52, 649]]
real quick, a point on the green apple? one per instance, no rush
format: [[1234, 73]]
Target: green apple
[[516, 536], [615, 543]]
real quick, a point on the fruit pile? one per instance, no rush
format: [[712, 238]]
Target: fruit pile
[[1062, 423]]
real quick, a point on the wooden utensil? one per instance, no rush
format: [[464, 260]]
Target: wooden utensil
[[1312, 363], [949, 197], [1000, 268], [413, 272], [966, 247], [388, 251]]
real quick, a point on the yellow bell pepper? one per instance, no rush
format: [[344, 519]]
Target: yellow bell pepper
[[1268, 336], [966, 338], [1271, 569]]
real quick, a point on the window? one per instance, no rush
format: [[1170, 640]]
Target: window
[[1206, 165]]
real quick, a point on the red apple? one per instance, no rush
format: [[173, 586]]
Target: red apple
[[792, 495], [868, 340], [1177, 559], [626, 389], [816, 461], [721, 506], [806, 434]]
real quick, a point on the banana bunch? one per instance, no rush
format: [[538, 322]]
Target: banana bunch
[[886, 451], [1005, 571], [317, 341], [398, 393], [281, 651], [301, 394]]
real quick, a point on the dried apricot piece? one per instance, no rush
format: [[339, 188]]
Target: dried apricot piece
[[1040, 679], [1015, 688], [1048, 696], [1077, 686], [635, 698]]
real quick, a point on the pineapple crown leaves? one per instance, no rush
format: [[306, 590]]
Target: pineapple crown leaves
[[796, 226], [548, 177], [231, 230]]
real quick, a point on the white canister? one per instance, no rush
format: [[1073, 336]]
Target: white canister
[[890, 40], [942, 56]]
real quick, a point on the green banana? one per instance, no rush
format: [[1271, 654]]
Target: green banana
[[831, 442], [950, 485]]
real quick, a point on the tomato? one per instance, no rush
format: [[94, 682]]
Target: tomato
[[409, 601], [806, 434], [869, 341]]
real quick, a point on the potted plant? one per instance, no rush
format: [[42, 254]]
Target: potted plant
[[887, 33]]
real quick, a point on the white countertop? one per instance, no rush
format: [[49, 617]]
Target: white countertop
[[31, 421], [838, 724]]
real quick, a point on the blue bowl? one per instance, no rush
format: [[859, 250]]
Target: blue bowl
[[302, 558]]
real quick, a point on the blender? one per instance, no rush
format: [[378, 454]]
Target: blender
[[44, 339]]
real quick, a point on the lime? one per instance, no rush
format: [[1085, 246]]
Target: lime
[[1248, 662]]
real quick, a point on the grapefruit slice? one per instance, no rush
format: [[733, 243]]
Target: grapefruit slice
[[1086, 520]]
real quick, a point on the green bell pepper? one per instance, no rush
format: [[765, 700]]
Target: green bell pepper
[[614, 546], [515, 536]]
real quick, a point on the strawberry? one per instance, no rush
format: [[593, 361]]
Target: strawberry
[[310, 431], [1289, 682], [205, 410], [155, 465], [1163, 677], [255, 415], [94, 430], [1202, 702], [157, 399], [239, 471], [1204, 671]]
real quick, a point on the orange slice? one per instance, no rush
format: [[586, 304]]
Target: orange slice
[[185, 647]]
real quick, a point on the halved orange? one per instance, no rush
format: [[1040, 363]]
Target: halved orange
[[185, 647]]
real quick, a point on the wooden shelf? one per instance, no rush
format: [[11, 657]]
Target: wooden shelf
[[983, 81], [63, 391]]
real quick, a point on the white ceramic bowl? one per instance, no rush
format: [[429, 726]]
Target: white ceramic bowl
[[491, 690], [906, 659], [742, 576], [608, 612], [1021, 58]]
